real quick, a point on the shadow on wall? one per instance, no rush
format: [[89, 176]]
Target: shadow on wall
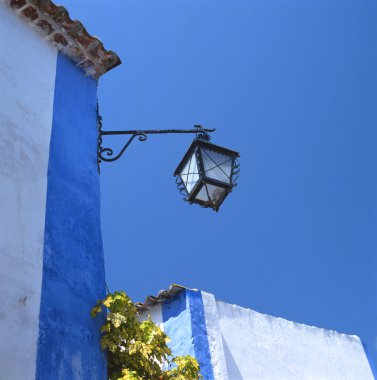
[[232, 368], [370, 360]]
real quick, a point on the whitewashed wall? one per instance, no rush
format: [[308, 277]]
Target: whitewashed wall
[[234, 343], [27, 79], [258, 346], [156, 315]]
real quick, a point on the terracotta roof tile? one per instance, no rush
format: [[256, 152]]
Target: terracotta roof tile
[[69, 36], [162, 296]]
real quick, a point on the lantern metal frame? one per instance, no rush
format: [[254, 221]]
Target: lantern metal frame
[[190, 196]]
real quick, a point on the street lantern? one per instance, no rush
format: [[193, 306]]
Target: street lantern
[[207, 173]]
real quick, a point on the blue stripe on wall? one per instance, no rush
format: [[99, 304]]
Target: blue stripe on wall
[[370, 360], [199, 333], [184, 323], [73, 266]]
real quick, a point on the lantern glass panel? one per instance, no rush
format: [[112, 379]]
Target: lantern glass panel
[[190, 173], [210, 193], [217, 165], [203, 195]]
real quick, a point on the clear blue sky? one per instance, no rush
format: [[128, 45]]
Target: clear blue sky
[[290, 84]]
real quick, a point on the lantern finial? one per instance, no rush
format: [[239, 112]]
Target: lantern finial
[[202, 133]]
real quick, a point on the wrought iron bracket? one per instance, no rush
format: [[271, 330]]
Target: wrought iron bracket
[[107, 154]]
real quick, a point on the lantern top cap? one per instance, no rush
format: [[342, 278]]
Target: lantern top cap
[[205, 144]]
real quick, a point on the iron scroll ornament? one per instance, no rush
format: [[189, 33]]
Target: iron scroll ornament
[[109, 152]]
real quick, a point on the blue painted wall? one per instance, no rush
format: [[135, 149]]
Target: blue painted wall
[[73, 265], [199, 332], [184, 321], [177, 325]]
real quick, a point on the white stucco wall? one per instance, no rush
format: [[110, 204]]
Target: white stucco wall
[[156, 315], [258, 346], [215, 341], [27, 77]]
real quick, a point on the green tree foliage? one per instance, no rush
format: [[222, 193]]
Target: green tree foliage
[[138, 350]]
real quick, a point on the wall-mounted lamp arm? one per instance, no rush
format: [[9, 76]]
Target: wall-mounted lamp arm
[[198, 129], [107, 154]]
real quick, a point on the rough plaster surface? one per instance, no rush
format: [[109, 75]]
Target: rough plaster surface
[[214, 337], [183, 319], [241, 344], [177, 323], [199, 333], [156, 315], [51, 255], [259, 346], [27, 80], [73, 265]]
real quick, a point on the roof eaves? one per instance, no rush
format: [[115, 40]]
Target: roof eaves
[[69, 36], [163, 295]]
